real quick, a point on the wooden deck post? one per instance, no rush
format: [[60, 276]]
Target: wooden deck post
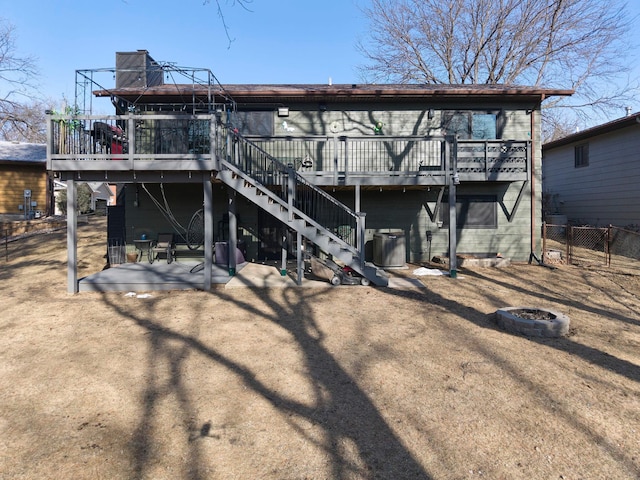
[[72, 237], [207, 187], [299, 258], [361, 234], [454, 180], [453, 238], [233, 233]]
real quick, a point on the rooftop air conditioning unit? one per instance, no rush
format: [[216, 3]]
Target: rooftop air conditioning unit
[[137, 69]]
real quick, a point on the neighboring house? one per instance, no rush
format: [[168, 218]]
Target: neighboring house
[[25, 186], [440, 169], [592, 177], [58, 187], [102, 195]]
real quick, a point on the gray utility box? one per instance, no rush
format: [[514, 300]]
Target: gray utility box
[[389, 249]]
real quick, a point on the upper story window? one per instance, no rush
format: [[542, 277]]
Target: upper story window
[[471, 125], [254, 123], [581, 155]]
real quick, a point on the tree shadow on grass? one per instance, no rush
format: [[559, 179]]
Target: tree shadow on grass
[[589, 354], [543, 293], [566, 344], [339, 407]]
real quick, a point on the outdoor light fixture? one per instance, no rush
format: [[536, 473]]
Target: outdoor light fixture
[[283, 111]]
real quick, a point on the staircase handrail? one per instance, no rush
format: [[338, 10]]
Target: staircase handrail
[[277, 199], [294, 189]]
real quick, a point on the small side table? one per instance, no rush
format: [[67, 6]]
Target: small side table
[[143, 246]]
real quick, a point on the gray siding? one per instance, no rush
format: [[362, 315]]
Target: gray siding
[[388, 209], [604, 192], [396, 121], [410, 212]]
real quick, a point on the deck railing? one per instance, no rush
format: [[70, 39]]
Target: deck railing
[[292, 187], [339, 158], [166, 142], [493, 159], [137, 142]]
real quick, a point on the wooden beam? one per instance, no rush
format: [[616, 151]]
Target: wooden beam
[[207, 188], [72, 237]]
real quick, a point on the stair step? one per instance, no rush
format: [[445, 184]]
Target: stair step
[[340, 250]]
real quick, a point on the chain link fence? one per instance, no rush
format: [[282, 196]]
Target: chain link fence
[[586, 246]]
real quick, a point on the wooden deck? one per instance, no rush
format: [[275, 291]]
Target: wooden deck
[[174, 148]]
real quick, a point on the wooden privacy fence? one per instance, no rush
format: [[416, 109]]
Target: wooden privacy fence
[[591, 246]]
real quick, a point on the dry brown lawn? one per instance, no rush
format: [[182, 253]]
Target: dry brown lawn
[[314, 383]]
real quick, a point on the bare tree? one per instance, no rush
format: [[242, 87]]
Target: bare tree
[[17, 82], [576, 44], [557, 124], [24, 122], [243, 3]]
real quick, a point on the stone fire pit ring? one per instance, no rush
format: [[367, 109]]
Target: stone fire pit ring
[[532, 321]]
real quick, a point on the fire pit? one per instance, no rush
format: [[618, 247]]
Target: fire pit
[[532, 321]]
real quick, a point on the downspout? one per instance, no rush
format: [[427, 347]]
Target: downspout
[[533, 176], [533, 184]]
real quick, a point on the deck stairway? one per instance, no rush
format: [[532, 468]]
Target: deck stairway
[[304, 208]]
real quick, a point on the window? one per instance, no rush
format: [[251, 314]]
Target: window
[[471, 125], [254, 123], [472, 211], [581, 155], [457, 123], [483, 126]]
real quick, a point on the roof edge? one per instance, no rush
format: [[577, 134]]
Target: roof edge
[[347, 90], [608, 127]]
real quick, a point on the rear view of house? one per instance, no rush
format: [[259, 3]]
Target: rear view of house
[[433, 169]]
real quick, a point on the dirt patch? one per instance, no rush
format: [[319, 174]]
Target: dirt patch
[[316, 383]]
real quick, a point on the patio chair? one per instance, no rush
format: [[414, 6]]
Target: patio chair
[[164, 246]]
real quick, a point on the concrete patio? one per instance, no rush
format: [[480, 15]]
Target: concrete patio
[[188, 275]]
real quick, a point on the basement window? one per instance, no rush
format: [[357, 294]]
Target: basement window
[[472, 211], [581, 155]]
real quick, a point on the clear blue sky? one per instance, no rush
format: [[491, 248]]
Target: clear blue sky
[[278, 41]]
